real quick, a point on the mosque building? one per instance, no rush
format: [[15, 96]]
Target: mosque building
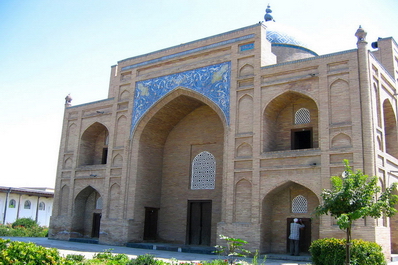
[[234, 134]]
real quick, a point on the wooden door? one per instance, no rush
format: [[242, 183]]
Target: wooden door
[[199, 223], [305, 234], [151, 223], [96, 225]]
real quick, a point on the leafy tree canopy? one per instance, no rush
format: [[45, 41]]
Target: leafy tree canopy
[[356, 195]]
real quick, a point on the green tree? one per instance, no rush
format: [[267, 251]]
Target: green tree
[[355, 196]]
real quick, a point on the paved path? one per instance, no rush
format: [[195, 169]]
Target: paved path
[[88, 250]]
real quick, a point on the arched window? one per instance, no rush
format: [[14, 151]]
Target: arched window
[[26, 205], [302, 116], [42, 206], [98, 204], [12, 204], [299, 204], [203, 171]]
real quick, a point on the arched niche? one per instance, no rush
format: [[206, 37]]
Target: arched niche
[[64, 198], [94, 145], [280, 129], [68, 163], [340, 103], [71, 137], [246, 70], [244, 150], [121, 131], [117, 161], [114, 201], [125, 95], [341, 140], [245, 114], [243, 201]]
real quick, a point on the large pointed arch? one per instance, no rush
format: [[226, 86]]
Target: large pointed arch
[[177, 128], [180, 95], [281, 132], [212, 81]]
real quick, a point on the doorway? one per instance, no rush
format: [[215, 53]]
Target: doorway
[[151, 223], [301, 138], [199, 223], [305, 235], [96, 225]]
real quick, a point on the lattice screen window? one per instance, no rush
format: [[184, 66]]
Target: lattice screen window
[[302, 116], [299, 204], [203, 171]]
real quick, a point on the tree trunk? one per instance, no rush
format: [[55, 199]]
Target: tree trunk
[[347, 247]]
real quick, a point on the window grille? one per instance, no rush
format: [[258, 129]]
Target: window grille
[[203, 171], [42, 206], [302, 116], [26, 205], [299, 204]]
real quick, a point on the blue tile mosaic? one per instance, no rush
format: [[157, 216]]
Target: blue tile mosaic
[[246, 47], [212, 81]]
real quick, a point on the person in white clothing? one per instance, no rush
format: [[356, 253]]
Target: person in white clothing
[[295, 236]]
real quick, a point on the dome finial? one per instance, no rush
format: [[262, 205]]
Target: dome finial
[[361, 35], [268, 16]]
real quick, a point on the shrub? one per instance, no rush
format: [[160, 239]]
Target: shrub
[[331, 251], [111, 258], [4, 243], [146, 259], [25, 222], [22, 231], [75, 257], [28, 253]]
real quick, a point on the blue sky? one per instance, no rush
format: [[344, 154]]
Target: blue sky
[[49, 48]]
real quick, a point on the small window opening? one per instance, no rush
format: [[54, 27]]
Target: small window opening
[[104, 155], [12, 204], [302, 138], [26, 205], [98, 204], [42, 206]]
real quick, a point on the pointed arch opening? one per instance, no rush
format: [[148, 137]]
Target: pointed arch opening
[[290, 122], [94, 145], [87, 213], [282, 204], [169, 136], [390, 129]]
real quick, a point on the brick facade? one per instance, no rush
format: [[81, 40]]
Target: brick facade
[[277, 126]]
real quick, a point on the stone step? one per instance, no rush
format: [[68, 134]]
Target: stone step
[[173, 247]]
